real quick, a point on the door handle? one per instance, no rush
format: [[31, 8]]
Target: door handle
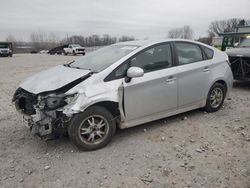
[[170, 79], [206, 69]]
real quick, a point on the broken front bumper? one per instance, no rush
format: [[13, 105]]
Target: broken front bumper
[[40, 123]]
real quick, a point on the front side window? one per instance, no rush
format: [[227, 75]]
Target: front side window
[[188, 53], [153, 59]]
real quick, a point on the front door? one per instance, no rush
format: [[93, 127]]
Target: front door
[[156, 91]]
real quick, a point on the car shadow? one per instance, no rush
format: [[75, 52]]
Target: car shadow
[[157, 124], [126, 134], [244, 85]]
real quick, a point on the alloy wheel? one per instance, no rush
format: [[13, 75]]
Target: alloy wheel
[[93, 129], [216, 97]]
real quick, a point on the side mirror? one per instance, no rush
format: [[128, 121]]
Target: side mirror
[[134, 72]]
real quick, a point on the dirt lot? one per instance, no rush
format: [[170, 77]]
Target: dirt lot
[[194, 149]]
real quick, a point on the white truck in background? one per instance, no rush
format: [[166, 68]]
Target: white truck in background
[[6, 49], [74, 49]]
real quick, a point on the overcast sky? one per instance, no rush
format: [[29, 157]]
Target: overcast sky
[[140, 18]]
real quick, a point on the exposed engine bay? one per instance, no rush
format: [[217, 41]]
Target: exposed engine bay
[[42, 113]]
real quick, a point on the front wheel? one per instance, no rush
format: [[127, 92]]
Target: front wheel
[[215, 97], [92, 129]]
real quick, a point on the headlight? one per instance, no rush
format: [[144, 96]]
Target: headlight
[[53, 102]]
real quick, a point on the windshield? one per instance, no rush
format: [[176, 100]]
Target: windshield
[[245, 43], [75, 45], [4, 45], [103, 58]]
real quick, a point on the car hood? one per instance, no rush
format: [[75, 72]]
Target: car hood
[[239, 52], [52, 79]]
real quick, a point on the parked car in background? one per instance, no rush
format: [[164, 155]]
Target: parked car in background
[[43, 51], [57, 50], [74, 49], [33, 52], [6, 49], [123, 85], [239, 58]]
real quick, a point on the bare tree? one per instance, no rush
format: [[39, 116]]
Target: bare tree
[[184, 32], [225, 26], [187, 32], [10, 38], [126, 38], [95, 40], [42, 40]]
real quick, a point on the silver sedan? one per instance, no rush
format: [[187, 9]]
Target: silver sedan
[[123, 85]]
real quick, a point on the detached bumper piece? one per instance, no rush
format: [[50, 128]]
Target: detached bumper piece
[[240, 67]]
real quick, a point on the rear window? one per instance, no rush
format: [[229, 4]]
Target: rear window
[[188, 53], [209, 53]]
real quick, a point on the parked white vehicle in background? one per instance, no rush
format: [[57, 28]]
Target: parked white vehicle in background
[[74, 49], [124, 85]]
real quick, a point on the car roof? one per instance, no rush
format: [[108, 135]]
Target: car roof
[[152, 42]]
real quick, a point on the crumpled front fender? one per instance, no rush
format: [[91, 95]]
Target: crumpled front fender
[[93, 95]]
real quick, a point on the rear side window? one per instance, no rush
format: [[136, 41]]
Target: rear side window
[[188, 53], [209, 53]]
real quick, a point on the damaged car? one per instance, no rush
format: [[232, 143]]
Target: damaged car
[[239, 58], [121, 86]]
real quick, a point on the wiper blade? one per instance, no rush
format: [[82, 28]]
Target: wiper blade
[[68, 64]]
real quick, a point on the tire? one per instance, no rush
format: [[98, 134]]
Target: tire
[[80, 130], [215, 101], [83, 53], [74, 53]]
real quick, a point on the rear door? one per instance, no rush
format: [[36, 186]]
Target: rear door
[[193, 74]]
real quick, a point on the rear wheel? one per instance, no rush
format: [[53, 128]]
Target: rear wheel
[[215, 97], [92, 129]]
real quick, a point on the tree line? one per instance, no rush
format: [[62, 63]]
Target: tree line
[[214, 29], [40, 40]]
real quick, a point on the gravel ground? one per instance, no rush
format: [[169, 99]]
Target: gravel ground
[[193, 149]]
